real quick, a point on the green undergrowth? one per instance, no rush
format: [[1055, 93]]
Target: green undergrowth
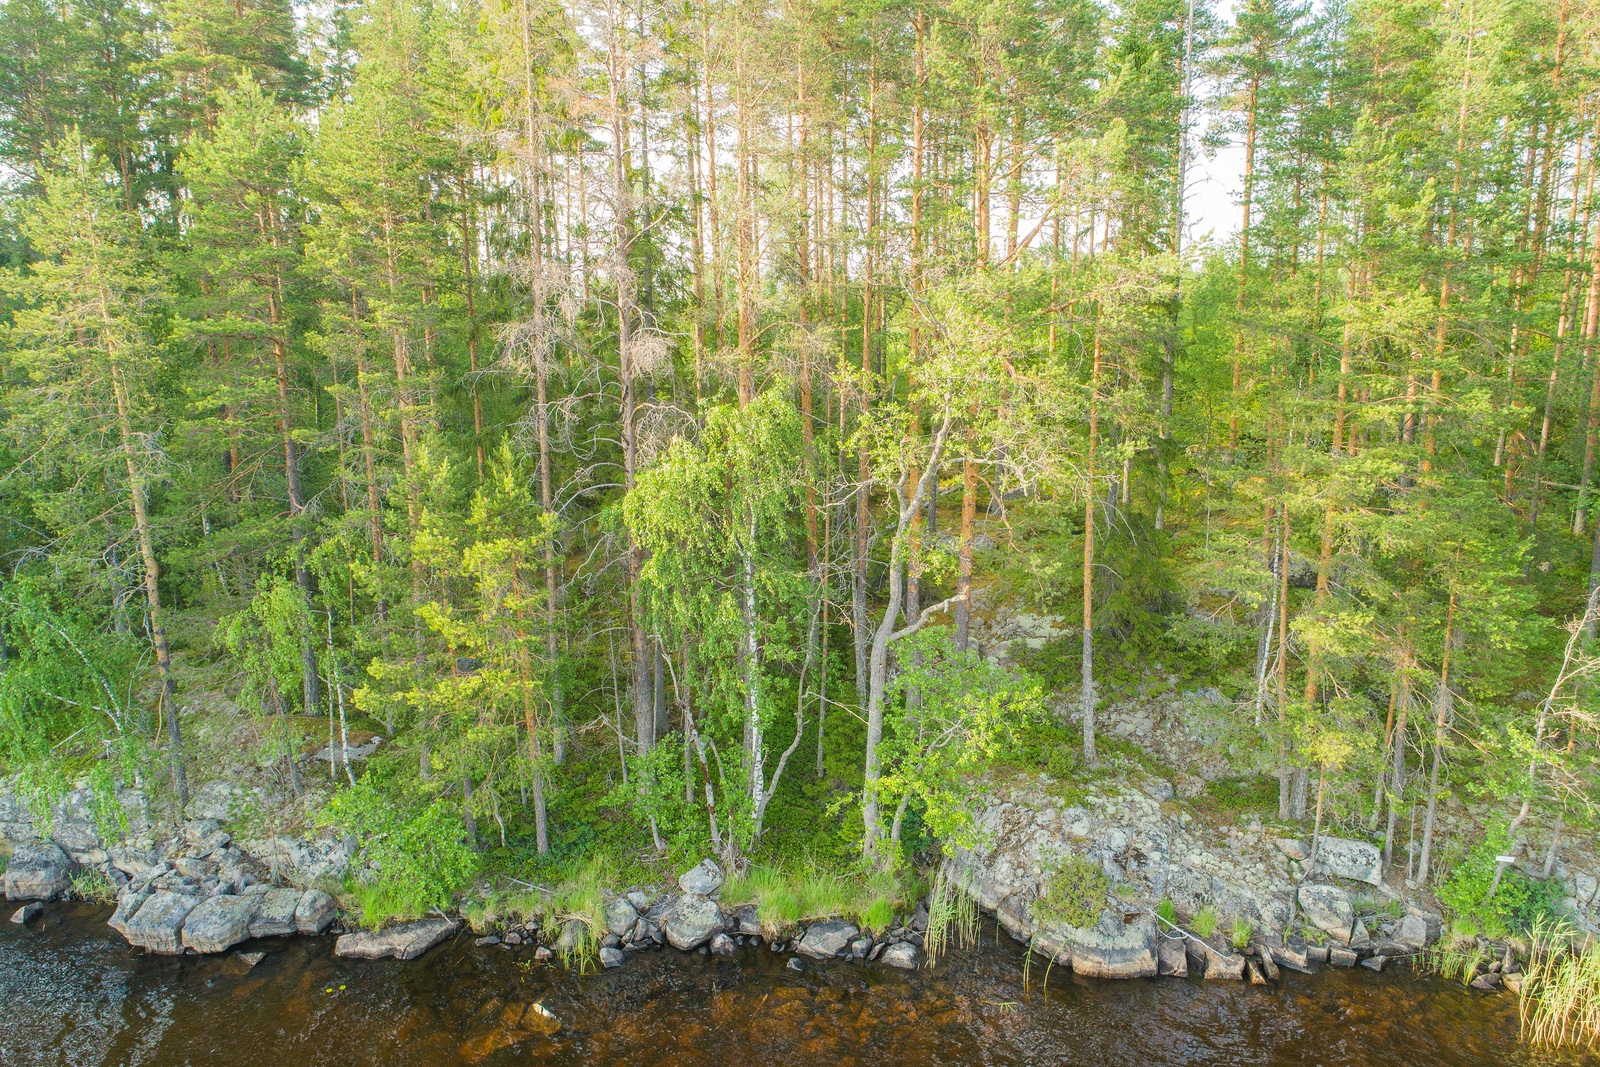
[[1515, 906]]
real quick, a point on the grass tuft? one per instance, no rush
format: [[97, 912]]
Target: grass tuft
[[1561, 993]]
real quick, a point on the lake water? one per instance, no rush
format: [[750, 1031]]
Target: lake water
[[73, 993]]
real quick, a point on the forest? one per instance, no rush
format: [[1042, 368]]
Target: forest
[[632, 414]]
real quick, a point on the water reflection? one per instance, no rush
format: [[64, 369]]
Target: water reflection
[[75, 994]]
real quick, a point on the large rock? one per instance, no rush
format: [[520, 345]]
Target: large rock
[[37, 870], [274, 915], [1328, 909], [827, 939], [692, 921], [1171, 959], [404, 942], [1412, 933], [303, 861], [218, 924], [901, 954], [128, 904], [158, 924], [621, 917], [702, 880], [745, 920], [1113, 948], [1213, 963], [16, 818], [314, 913], [1355, 860]]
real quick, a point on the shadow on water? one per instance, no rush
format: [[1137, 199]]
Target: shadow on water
[[71, 992]]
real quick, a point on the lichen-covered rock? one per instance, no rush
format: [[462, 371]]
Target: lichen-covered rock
[[692, 921], [218, 924], [1116, 947], [406, 941], [217, 800], [37, 870], [744, 920], [274, 914], [1356, 860], [901, 954], [158, 924], [1328, 908], [315, 912]]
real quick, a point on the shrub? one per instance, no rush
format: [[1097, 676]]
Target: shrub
[[420, 857], [1518, 903], [1074, 894]]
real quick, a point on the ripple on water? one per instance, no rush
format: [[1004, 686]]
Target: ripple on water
[[75, 994]]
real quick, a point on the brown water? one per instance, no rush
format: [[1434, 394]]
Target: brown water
[[71, 992]]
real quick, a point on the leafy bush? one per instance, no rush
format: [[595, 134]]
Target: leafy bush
[[1074, 894], [421, 857], [1518, 902]]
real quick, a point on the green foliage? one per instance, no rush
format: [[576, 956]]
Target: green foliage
[[419, 856], [1518, 902], [91, 887], [1241, 933], [1167, 911], [1205, 921], [1074, 894]]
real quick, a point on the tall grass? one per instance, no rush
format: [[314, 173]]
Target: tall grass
[[1457, 960], [1561, 993], [784, 899], [1205, 922], [951, 913]]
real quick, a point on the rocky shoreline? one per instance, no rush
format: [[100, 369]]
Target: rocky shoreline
[[198, 890]]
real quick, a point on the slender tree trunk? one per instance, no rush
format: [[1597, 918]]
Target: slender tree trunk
[[1086, 668], [1441, 715]]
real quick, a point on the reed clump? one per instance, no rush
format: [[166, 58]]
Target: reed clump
[[1561, 991], [952, 916]]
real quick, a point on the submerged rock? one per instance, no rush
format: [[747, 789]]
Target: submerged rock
[[38, 871], [25, 913], [406, 941], [612, 957], [722, 945]]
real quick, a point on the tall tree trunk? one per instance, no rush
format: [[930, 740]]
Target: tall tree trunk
[[1441, 715], [1086, 668]]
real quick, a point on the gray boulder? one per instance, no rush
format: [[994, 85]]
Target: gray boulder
[[1412, 933], [158, 924], [612, 957], [1213, 963], [314, 913], [703, 880], [692, 921], [1171, 959], [218, 924], [621, 916], [827, 939], [274, 915], [38, 870], [901, 954], [722, 945], [1328, 909], [406, 941], [1355, 860], [1113, 948]]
